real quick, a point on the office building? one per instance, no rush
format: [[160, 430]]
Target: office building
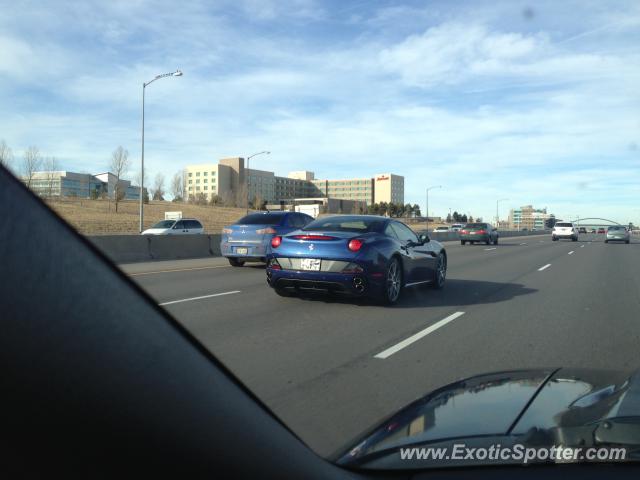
[[81, 185], [528, 217], [229, 179]]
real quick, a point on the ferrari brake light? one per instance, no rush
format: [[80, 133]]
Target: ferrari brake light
[[312, 237], [264, 231], [276, 241], [355, 244]]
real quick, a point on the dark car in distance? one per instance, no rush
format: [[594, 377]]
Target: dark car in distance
[[362, 255], [478, 232]]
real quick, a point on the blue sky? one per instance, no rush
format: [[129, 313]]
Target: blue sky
[[535, 102]]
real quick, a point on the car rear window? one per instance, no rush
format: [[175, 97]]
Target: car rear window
[[346, 224], [261, 219], [615, 228], [564, 224], [475, 225]]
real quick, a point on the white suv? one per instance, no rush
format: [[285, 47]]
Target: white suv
[[564, 230]]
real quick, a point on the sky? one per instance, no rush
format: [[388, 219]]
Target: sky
[[536, 103]]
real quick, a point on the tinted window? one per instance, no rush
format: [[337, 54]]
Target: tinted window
[[616, 228], [193, 224], [346, 224], [564, 224], [261, 219], [390, 232], [404, 233], [164, 224], [476, 225], [296, 220], [179, 225]]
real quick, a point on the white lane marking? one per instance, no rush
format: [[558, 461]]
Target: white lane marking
[[487, 249], [581, 246], [200, 298], [571, 252], [523, 244], [177, 270], [545, 267], [417, 283], [541, 241], [414, 338]]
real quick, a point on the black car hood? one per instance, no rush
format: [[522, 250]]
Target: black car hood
[[539, 406]]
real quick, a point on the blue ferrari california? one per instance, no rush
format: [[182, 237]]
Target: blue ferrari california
[[355, 254], [248, 239]]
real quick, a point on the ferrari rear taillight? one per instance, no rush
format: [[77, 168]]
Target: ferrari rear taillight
[[276, 241], [355, 244], [265, 231]]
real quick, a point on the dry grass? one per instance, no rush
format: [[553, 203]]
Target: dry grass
[[98, 217]]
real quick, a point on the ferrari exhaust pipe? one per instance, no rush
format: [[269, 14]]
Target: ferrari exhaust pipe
[[358, 284]]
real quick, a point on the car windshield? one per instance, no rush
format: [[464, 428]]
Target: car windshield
[[315, 154], [164, 224], [345, 224], [261, 219]]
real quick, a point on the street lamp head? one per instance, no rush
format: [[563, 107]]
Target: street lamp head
[[177, 73]]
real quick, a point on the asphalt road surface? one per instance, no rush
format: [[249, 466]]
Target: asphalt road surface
[[331, 368]]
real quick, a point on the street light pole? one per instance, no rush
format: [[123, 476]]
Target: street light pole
[[497, 214], [265, 152], [427, 205], [177, 73]]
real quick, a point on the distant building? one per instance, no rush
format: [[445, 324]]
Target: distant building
[[229, 178], [81, 185], [528, 217]]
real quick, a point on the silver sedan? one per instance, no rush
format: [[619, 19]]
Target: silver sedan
[[617, 233]]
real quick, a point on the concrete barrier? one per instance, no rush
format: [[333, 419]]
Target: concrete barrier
[[452, 236], [124, 248], [143, 248]]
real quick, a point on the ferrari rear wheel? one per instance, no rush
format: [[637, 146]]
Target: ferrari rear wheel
[[393, 282]]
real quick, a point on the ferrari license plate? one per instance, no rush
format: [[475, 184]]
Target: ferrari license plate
[[242, 250], [310, 264]]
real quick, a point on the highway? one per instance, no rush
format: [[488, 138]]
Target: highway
[[331, 367]]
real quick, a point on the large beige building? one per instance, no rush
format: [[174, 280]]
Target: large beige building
[[230, 179], [528, 217]]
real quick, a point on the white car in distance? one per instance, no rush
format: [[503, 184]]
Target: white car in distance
[[182, 226], [564, 230]]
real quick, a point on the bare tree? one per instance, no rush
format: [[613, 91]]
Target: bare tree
[[177, 187], [119, 166], [6, 155], [158, 187], [31, 162], [258, 201], [50, 167], [241, 197]]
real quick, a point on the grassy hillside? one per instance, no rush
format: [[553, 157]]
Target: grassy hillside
[[98, 217]]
